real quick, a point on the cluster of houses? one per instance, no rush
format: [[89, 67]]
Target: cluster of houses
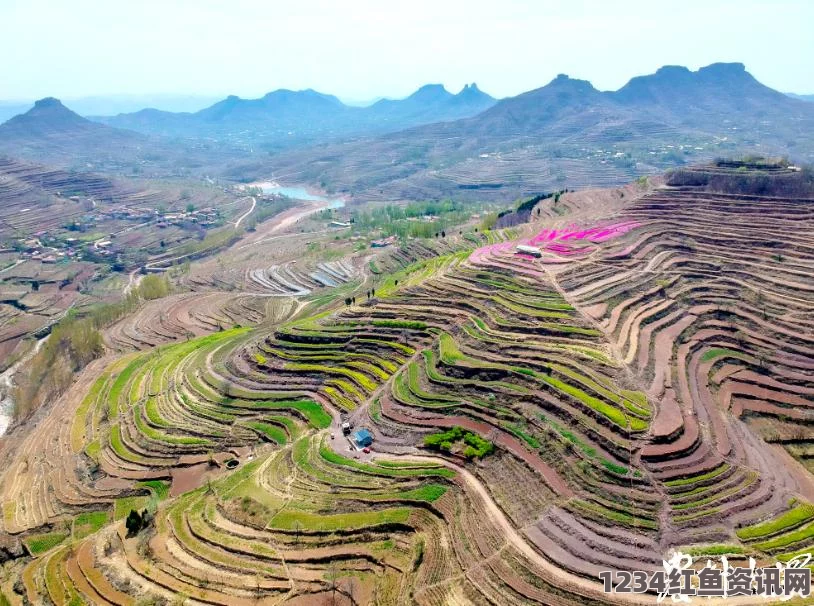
[[205, 217], [46, 247], [35, 249]]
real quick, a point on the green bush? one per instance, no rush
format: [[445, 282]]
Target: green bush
[[476, 446], [40, 543], [154, 286]]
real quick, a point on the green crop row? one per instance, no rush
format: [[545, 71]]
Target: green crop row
[[337, 459], [699, 478], [803, 512]]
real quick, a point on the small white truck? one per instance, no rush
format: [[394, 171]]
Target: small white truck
[[525, 249]]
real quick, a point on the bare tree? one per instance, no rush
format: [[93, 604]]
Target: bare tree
[[332, 578]]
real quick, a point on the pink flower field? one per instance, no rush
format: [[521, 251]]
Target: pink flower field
[[562, 244]]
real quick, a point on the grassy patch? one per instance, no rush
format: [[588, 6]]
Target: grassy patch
[[40, 543], [159, 488], [122, 507], [803, 533], [611, 466], [714, 550], [337, 459], [721, 352], [450, 354], [361, 379], [413, 324], [610, 514], [312, 411], [87, 523], [275, 433], [290, 519]]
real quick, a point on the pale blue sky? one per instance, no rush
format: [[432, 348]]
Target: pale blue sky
[[367, 48]]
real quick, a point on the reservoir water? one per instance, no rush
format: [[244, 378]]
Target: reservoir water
[[300, 193]]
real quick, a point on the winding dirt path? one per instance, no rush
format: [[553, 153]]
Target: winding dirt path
[[248, 212]]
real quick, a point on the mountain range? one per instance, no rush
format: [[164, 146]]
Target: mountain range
[[435, 143], [284, 118], [567, 133], [111, 105]]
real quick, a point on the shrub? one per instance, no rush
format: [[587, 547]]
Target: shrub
[[133, 523], [476, 446], [154, 286]]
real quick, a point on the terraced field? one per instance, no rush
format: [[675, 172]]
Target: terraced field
[[710, 305], [644, 385]]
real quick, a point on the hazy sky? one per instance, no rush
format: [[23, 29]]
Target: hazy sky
[[367, 48]]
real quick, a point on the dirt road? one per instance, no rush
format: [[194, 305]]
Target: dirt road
[[248, 212], [281, 222]]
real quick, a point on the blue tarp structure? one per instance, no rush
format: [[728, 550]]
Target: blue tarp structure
[[363, 438]]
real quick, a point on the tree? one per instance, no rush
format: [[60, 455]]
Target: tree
[[297, 530], [190, 207], [348, 301], [332, 579], [133, 523]]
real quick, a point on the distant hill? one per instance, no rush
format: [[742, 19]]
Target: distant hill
[[801, 97], [567, 133], [430, 103], [285, 118], [50, 127], [51, 133], [111, 105]]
